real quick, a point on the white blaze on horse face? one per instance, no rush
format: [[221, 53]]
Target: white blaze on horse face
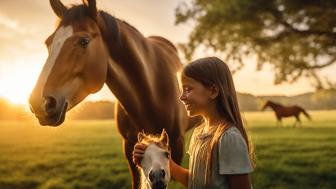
[[62, 34]]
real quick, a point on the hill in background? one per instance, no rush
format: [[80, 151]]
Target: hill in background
[[321, 100]]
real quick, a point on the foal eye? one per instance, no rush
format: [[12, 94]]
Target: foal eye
[[167, 154], [83, 42]]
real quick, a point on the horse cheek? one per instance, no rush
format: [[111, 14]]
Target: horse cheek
[[96, 70]]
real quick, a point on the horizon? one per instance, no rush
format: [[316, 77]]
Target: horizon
[[24, 29], [113, 99]]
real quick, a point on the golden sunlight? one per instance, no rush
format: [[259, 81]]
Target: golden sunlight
[[17, 82]]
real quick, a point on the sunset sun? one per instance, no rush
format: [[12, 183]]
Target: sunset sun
[[17, 83]]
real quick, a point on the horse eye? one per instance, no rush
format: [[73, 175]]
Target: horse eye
[[166, 154], [83, 42]]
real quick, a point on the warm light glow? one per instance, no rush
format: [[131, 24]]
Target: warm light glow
[[17, 82]]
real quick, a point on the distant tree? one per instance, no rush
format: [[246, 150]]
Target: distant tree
[[296, 37], [93, 110], [248, 102]]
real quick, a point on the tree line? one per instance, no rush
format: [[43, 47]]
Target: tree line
[[321, 100]]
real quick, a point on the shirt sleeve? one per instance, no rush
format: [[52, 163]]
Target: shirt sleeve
[[233, 154]]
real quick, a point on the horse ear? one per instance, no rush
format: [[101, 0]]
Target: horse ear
[[58, 7], [91, 7], [164, 137], [141, 136]]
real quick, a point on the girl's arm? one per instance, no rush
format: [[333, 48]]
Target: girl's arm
[[179, 173], [239, 181]]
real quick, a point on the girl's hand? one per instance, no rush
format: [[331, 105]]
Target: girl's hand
[[138, 152]]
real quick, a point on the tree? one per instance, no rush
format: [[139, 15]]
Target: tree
[[296, 37]]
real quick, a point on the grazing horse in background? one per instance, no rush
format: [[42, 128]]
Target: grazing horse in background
[[286, 111], [89, 48], [154, 166]]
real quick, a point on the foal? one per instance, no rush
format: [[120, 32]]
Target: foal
[[154, 166]]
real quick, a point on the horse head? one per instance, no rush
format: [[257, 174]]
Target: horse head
[[154, 166], [267, 103], [76, 65]]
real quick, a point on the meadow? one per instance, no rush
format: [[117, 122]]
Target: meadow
[[88, 154]]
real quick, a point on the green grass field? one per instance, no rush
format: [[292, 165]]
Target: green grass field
[[87, 154]]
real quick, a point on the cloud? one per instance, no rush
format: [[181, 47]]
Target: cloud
[[7, 22]]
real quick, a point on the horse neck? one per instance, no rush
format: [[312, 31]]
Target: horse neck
[[274, 106], [133, 80], [127, 70]]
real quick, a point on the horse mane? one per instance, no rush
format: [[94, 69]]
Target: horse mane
[[273, 103], [74, 13], [165, 41]]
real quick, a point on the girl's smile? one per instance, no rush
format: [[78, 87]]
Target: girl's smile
[[195, 96]]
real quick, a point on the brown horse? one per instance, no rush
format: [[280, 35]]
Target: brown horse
[[90, 48], [286, 111]]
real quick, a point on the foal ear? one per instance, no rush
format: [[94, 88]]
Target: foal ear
[[91, 7], [164, 137], [141, 136], [58, 7]]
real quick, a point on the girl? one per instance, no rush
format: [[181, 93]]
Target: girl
[[220, 154]]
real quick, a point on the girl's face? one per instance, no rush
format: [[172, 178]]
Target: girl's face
[[195, 96]]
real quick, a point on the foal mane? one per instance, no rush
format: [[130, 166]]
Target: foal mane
[[154, 139]]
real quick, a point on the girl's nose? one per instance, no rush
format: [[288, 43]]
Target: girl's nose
[[183, 97]]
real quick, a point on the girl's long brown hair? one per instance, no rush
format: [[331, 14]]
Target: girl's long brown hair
[[212, 71]]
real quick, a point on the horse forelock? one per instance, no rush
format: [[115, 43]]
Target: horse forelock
[[152, 139], [107, 24], [74, 14], [79, 14]]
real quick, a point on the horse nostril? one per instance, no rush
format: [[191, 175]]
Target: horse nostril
[[151, 176], [163, 173], [50, 104]]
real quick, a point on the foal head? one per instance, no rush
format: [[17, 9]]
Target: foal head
[[76, 65], [154, 166]]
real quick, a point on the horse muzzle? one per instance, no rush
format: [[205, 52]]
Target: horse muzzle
[[159, 185], [51, 112], [157, 179]]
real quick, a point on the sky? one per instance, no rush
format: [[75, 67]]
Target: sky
[[25, 24]]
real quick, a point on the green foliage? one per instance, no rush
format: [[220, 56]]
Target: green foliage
[[88, 154], [297, 37]]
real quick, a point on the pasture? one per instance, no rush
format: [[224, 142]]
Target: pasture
[[87, 154]]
